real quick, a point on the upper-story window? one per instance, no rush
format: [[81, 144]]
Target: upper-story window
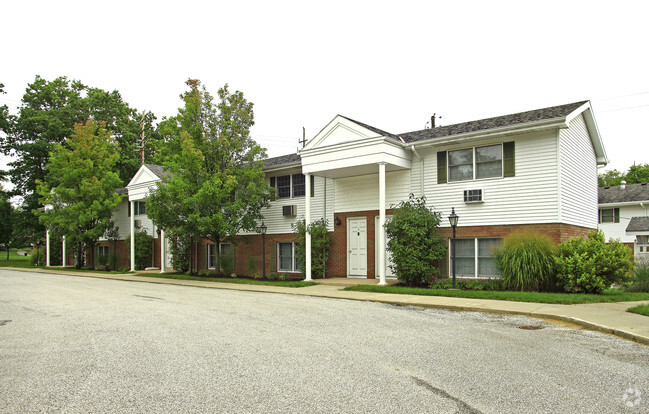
[[291, 185], [140, 208], [476, 163], [609, 215]]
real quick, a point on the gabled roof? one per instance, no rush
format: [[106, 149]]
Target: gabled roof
[[560, 111], [631, 193], [371, 128], [282, 160], [157, 170], [638, 224]]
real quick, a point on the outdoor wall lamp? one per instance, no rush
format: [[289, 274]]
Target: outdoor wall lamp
[[453, 219], [337, 221]]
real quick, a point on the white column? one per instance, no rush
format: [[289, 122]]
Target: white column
[[132, 236], [307, 218], [64, 253], [163, 255], [381, 258], [47, 248]]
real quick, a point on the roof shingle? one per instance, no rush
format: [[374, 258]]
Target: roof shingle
[[632, 192], [638, 224]]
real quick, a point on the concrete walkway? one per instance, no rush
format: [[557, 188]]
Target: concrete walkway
[[605, 317]]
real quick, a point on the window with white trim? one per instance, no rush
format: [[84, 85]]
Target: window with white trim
[[468, 264], [293, 185], [226, 250], [103, 251], [609, 215], [475, 163], [286, 259]]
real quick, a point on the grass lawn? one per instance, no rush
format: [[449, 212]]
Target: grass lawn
[[610, 295], [642, 310], [231, 280], [14, 259]]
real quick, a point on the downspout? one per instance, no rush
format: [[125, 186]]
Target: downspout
[[421, 169], [645, 208]]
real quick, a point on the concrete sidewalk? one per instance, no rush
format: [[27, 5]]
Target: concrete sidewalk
[[605, 317]]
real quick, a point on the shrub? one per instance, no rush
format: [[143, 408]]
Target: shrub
[[640, 280], [414, 242], [486, 285], [251, 265], [143, 249], [37, 256], [320, 246], [589, 265], [284, 277], [227, 264], [525, 261]]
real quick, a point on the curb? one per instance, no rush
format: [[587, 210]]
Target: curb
[[127, 277]]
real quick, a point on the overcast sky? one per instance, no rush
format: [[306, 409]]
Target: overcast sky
[[388, 64]]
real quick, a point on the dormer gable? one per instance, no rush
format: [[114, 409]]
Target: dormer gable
[[342, 130]]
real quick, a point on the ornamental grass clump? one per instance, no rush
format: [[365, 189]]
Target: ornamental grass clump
[[640, 281], [525, 261]]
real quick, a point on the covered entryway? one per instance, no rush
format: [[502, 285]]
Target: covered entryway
[[344, 149]]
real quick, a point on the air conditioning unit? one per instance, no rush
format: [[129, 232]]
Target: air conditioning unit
[[473, 196], [289, 211], [138, 224]]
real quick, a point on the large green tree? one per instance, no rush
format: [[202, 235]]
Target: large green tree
[[216, 186], [80, 187], [636, 174], [6, 224], [47, 116]]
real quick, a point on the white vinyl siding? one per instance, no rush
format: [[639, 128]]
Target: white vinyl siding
[[527, 198], [618, 230], [578, 175], [362, 193], [279, 224]]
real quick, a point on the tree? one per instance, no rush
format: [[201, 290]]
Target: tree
[[5, 118], [47, 116], [80, 187], [216, 186], [414, 242], [610, 178], [6, 224], [638, 174], [320, 246]]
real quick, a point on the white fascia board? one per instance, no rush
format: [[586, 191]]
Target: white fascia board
[[593, 131], [638, 233], [536, 126], [140, 191], [281, 167], [623, 204], [356, 154]]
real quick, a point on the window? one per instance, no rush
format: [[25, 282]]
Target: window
[[489, 162], [291, 185], [460, 165], [298, 185], [103, 251], [284, 186], [226, 253], [609, 215], [642, 239], [140, 208], [476, 163], [468, 264], [286, 259]]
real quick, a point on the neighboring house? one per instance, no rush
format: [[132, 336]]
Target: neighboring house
[[530, 171], [623, 215]]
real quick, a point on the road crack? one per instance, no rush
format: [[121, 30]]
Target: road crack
[[463, 408]]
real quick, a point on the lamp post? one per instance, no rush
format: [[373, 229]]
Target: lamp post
[[453, 218], [262, 230], [38, 253]]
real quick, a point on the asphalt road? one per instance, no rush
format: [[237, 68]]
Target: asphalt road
[[78, 345]]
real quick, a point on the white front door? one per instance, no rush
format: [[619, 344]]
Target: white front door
[[388, 255], [357, 247]]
